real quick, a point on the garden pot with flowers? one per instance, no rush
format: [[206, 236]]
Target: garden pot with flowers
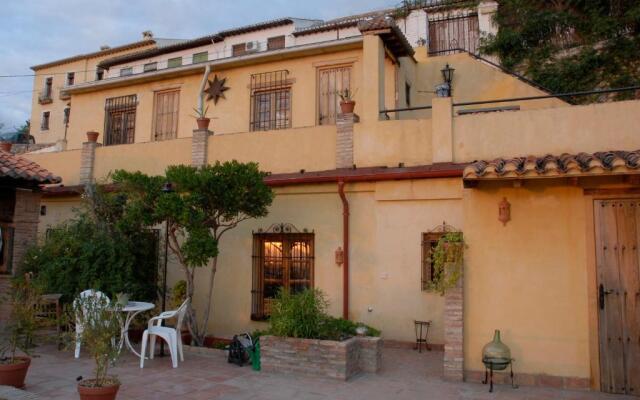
[[17, 335], [100, 322]]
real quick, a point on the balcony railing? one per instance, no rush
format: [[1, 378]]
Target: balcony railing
[[45, 97]]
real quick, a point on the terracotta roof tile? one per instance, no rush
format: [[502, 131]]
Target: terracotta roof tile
[[12, 166], [550, 165]]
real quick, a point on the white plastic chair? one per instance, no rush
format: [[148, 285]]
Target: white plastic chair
[[87, 293], [170, 335]]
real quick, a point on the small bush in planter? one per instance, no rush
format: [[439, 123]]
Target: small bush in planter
[[18, 332], [303, 315], [100, 335]]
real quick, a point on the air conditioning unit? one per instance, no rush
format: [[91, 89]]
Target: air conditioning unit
[[251, 47]]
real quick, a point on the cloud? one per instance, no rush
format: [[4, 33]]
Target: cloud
[[38, 31]]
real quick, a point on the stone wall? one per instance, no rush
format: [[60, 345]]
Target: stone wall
[[321, 358]]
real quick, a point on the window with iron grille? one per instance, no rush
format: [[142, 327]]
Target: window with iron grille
[[66, 115], [153, 66], [44, 125], [120, 120], [282, 260], [99, 74], [270, 105], [200, 57], [126, 71], [429, 243], [174, 62], [276, 42], [331, 81], [449, 34], [71, 77], [48, 88], [165, 120]]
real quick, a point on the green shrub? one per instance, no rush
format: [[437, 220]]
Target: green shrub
[[81, 255], [298, 315], [303, 315]]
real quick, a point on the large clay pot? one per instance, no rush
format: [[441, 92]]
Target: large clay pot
[[203, 123], [92, 136], [97, 393], [347, 106], [14, 374]]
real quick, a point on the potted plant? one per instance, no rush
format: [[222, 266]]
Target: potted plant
[[100, 322], [347, 104], [201, 117], [92, 136], [447, 258], [18, 333]]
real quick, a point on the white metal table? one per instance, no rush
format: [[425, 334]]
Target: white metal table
[[132, 309]]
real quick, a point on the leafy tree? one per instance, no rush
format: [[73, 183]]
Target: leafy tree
[[96, 250], [205, 204], [570, 45]]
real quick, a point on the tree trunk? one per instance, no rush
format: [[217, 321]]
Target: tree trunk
[[207, 309]]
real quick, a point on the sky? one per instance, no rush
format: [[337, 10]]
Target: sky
[[33, 32]]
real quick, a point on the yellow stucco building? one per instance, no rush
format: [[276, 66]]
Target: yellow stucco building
[[388, 176]]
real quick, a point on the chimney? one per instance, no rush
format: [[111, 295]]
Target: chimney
[[147, 35], [104, 47]]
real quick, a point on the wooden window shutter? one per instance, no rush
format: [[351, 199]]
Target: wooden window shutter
[[330, 82], [276, 42], [238, 49], [166, 115]]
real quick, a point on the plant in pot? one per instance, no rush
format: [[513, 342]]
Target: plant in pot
[[100, 322], [201, 117], [18, 333], [347, 104], [447, 260]]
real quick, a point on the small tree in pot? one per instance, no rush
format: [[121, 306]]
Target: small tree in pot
[[18, 333], [101, 327], [347, 104], [201, 117]]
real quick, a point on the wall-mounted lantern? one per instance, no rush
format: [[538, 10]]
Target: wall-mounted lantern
[[504, 211], [445, 89], [339, 256]]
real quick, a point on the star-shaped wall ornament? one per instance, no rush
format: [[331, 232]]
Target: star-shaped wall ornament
[[216, 89]]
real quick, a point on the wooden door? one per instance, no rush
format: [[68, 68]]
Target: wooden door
[[617, 232]]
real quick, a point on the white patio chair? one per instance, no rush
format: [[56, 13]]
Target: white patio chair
[[170, 335], [87, 293]]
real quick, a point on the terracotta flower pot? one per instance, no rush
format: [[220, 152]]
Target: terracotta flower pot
[[5, 146], [97, 393], [14, 374], [92, 136], [203, 123], [347, 106]]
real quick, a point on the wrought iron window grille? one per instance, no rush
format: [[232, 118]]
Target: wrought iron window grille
[[283, 258], [120, 120], [270, 101], [452, 33]]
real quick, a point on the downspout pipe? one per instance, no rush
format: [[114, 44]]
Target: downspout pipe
[[205, 77], [345, 247]]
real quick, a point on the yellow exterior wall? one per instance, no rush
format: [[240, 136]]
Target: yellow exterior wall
[[528, 278], [385, 254], [391, 142], [151, 158], [590, 128], [85, 71], [64, 164], [279, 151]]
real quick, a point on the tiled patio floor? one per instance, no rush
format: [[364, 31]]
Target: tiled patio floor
[[405, 375]]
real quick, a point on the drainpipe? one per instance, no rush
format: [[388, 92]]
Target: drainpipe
[[205, 77], [345, 247]]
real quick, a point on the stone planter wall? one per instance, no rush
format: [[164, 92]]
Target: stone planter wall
[[321, 358]]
